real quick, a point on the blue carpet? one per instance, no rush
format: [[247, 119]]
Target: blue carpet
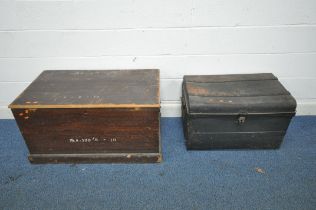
[[242, 179]]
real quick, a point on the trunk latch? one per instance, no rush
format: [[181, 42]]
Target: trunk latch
[[241, 119]]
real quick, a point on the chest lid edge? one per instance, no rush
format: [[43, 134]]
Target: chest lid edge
[[235, 94]]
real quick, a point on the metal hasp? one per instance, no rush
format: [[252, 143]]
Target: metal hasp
[[241, 120]]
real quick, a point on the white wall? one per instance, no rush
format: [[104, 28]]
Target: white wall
[[177, 36]]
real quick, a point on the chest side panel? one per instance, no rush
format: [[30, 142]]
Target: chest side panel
[[245, 140], [89, 130], [228, 123]]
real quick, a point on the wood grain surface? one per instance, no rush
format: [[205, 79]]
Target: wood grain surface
[[91, 116], [75, 131], [91, 89]]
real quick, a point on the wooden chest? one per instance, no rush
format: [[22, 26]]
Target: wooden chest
[[235, 111], [91, 116]]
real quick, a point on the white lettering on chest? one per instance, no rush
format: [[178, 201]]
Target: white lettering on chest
[[92, 139]]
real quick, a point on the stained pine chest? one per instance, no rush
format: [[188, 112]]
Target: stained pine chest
[[91, 116], [235, 111]]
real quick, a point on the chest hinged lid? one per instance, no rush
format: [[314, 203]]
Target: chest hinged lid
[[91, 89], [239, 94]]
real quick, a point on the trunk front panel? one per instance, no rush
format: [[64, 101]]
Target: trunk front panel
[[69, 131]]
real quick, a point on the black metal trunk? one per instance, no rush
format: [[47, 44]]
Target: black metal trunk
[[235, 111]]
